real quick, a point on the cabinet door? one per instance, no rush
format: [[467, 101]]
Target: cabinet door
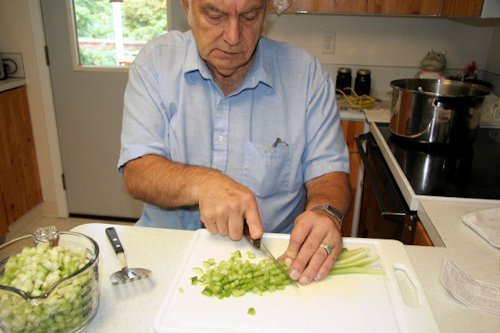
[[421, 237], [403, 7], [5, 159], [19, 176], [462, 8], [3, 217], [327, 6], [351, 129]]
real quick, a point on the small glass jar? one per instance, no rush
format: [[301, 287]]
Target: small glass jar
[[344, 80], [362, 84]]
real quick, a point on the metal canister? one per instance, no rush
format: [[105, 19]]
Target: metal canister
[[344, 80], [362, 84]]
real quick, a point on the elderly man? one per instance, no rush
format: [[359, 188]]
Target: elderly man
[[223, 127]]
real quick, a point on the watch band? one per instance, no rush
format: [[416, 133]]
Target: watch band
[[332, 211]]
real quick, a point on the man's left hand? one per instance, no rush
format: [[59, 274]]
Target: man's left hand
[[307, 253]]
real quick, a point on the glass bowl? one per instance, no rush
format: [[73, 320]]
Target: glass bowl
[[68, 304]]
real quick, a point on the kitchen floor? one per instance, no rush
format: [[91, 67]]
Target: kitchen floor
[[33, 220]]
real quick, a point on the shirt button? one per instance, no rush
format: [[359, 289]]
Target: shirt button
[[220, 138]]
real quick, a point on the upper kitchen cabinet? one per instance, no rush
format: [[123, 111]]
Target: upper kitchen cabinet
[[445, 8], [404, 7], [326, 6], [460, 8]]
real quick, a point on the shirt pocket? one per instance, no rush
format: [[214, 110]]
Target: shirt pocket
[[267, 168]]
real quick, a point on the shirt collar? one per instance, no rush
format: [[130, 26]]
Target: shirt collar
[[259, 72], [193, 62]]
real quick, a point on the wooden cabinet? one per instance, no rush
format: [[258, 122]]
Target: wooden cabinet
[[3, 218], [20, 188], [403, 7], [450, 8], [421, 237], [326, 6], [351, 129], [462, 8]]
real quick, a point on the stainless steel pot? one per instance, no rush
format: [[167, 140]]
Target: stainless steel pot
[[436, 111]]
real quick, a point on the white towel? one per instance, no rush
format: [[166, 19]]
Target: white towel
[[486, 223]]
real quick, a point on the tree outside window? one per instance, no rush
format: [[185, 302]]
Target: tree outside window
[[111, 33]]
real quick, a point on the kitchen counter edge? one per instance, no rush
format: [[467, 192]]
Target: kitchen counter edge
[[11, 83]]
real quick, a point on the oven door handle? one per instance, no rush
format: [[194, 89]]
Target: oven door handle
[[396, 217]]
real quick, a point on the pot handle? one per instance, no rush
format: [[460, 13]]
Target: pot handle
[[396, 217]]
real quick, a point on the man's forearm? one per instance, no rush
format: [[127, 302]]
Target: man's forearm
[[164, 183], [333, 189]]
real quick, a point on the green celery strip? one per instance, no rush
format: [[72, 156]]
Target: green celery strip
[[359, 263], [356, 270]]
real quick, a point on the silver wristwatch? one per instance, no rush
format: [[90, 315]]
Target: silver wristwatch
[[332, 211]]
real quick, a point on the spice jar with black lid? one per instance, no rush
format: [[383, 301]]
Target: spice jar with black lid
[[344, 80], [362, 84]]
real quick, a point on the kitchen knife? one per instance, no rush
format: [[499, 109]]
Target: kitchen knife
[[257, 243]]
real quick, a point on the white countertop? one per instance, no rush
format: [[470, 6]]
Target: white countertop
[[468, 250], [11, 83], [132, 307]]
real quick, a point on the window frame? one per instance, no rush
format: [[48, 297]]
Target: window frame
[[73, 37]]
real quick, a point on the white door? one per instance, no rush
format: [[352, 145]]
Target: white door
[[88, 110]]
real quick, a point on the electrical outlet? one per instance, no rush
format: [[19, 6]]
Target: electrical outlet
[[327, 42], [13, 64]]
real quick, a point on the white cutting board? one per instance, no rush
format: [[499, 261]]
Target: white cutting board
[[342, 303]]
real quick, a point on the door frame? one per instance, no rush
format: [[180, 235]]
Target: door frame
[[55, 203]]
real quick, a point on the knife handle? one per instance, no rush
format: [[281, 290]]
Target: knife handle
[[246, 232], [115, 241]]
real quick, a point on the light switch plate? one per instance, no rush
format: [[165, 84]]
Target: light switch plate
[[13, 63]]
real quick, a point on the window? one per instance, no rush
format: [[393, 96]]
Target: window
[[110, 33]]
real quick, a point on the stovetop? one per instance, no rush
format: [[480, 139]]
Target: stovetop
[[466, 172]]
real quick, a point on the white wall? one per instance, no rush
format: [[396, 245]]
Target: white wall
[[21, 31], [493, 61], [391, 47], [492, 73]]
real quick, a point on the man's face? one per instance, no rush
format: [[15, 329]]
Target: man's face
[[227, 32]]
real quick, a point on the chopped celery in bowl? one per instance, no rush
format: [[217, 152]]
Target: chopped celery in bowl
[[48, 285]]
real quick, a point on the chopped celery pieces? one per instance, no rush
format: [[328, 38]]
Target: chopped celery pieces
[[34, 270], [236, 276]]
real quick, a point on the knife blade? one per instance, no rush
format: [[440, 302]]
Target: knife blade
[[257, 243]]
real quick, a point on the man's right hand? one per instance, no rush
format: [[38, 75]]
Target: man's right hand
[[225, 205]]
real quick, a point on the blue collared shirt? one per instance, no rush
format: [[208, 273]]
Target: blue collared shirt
[[278, 130]]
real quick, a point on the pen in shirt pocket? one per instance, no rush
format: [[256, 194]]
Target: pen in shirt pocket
[[278, 141]]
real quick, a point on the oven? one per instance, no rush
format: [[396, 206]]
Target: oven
[[390, 193], [383, 210]]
